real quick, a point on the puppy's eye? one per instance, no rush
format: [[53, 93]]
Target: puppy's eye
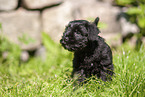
[[77, 31]]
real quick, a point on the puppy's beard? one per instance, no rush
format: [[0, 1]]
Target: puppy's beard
[[74, 46], [78, 42], [69, 47]]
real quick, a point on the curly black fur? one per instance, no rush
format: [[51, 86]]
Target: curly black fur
[[92, 56]]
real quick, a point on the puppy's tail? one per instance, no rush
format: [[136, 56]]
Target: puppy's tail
[[96, 21]]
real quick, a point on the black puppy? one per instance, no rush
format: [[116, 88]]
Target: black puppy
[[92, 56]]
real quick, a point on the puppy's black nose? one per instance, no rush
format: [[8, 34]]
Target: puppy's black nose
[[61, 41]]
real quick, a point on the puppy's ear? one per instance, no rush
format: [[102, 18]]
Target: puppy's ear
[[93, 30], [96, 21]]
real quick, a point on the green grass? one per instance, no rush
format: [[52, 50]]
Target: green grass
[[51, 78]]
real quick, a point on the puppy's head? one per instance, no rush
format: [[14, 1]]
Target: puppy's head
[[78, 33]]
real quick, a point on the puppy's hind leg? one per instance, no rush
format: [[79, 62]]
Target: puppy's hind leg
[[106, 73], [79, 77], [103, 75]]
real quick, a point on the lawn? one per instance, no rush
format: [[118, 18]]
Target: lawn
[[51, 78]]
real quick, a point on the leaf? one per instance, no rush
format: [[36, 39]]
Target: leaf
[[134, 10], [50, 45], [102, 25], [124, 2], [141, 22], [26, 39]]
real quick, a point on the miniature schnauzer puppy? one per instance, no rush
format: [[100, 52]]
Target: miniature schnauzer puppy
[[92, 55]]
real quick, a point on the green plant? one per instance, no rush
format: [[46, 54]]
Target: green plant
[[50, 78], [37, 78], [11, 50], [54, 50], [136, 12], [26, 39]]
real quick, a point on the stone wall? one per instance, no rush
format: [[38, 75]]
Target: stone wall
[[24, 20]]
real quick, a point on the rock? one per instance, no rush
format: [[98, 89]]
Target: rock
[[22, 27], [5, 55], [38, 4], [41, 53], [7, 5], [24, 56], [55, 19], [128, 28], [143, 41], [132, 42], [90, 9]]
